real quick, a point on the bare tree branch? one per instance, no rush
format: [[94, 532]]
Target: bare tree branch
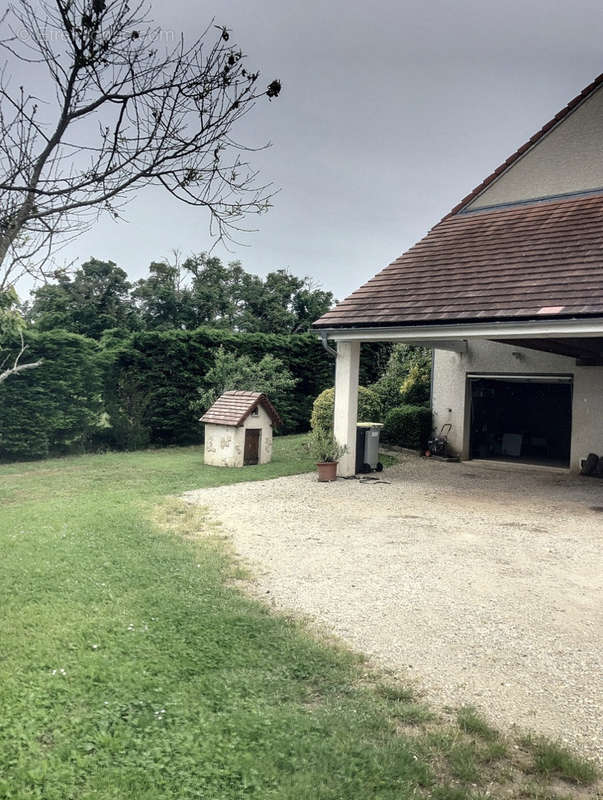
[[128, 113], [18, 367]]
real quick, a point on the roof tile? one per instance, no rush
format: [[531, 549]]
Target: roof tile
[[233, 408], [501, 264]]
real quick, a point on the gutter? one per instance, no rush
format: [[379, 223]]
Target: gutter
[[426, 334], [325, 344]]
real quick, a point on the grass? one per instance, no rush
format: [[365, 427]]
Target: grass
[[131, 665], [553, 759], [470, 721]]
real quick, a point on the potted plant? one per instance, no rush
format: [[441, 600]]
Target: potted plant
[[327, 452]]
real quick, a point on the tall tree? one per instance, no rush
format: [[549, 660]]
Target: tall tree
[[163, 299], [94, 300], [121, 113], [281, 303]]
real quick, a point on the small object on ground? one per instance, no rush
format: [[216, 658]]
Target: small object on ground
[[327, 471], [438, 446], [367, 447], [589, 464]]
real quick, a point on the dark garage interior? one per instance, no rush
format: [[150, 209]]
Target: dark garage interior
[[521, 420]]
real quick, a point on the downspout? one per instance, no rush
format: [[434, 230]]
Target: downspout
[[323, 339]]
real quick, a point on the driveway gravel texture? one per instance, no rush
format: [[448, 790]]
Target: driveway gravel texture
[[481, 582]]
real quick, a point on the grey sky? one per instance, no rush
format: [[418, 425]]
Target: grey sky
[[391, 112]]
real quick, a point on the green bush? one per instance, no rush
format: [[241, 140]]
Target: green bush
[[406, 379], [408, 426], [369, 408]]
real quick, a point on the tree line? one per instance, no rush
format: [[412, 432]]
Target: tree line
[[181, 295]]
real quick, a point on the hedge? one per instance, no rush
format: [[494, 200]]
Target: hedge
[[134, 390], [408, 426], [55, 408]]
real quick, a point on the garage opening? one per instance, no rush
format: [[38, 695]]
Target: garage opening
[[521, 419]]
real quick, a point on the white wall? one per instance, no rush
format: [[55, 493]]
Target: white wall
[[451, 403], [587, 430], [568, 159], [223, 446]]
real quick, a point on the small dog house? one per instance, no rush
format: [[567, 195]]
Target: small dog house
[[238, 430]]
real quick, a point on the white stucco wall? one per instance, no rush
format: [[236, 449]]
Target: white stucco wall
[[587, 412], [568, 159], [450, 398], [225, 444]]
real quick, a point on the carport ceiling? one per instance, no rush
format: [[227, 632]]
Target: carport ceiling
[[586, 351]]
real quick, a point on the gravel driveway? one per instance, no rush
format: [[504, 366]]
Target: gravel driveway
[[482, 581]]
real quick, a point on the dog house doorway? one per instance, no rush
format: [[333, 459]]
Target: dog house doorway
[[251, 454], [521, 418]]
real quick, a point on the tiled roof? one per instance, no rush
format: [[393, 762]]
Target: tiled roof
[[233, 408], [525, 147], [527, 261]]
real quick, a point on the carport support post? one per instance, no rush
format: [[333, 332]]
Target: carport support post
[[347, 368]]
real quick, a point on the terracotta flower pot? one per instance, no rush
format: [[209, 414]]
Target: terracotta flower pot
[[327, 470]]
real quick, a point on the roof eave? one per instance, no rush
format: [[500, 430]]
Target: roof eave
[[455, 331]]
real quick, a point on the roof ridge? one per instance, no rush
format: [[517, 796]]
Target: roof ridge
[[525, 147]]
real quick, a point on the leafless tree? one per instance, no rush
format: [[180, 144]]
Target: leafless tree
[[125, 112]]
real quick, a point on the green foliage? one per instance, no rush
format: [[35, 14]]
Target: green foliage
[[200, 291], [153, 379], [408, 426], [406, 379], [54, 408], [416, 387], [229, 371], [323, 446], [11, 321], [369, 408], [96, 299]]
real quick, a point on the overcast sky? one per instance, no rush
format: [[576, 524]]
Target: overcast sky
[[390, 113]]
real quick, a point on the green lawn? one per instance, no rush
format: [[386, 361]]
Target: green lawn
[[132, 667]]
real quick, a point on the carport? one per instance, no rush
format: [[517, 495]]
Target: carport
[[533, 354], [507, 287]]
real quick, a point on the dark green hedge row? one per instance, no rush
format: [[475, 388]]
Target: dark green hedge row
[[55, 408], [141, 390], [408, 426]]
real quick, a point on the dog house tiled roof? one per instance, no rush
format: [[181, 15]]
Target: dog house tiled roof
[[233, 408]]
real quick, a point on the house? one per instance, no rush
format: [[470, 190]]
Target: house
[[508, 291], [238, 430]]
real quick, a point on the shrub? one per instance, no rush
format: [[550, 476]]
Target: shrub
[[369, 408], [406, 379], [408, 426], [416, 387], [242, 373], [323, 446]]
